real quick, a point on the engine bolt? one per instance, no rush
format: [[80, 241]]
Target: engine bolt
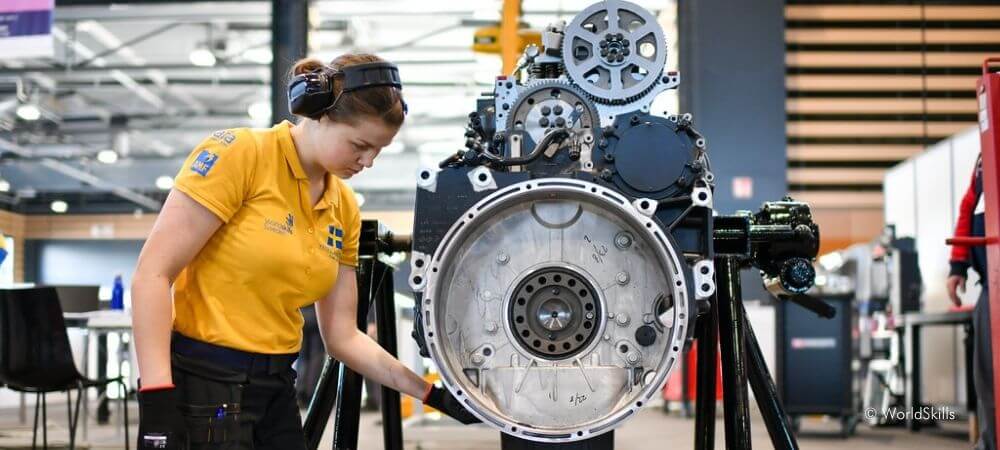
[[603, 44], [648, 318], [632, 358], [543, 122], [560, 122], [556, 291], [503, 258], [491, 327], [623, 240], [606, 174], [558, 109], [622, 278], [546, 110], [607, 337], [478, 359], [609, 157], [622, 319], [590, 316], [634, 120]]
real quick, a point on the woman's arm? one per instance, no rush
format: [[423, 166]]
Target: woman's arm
[[181, 230], [337, 314]]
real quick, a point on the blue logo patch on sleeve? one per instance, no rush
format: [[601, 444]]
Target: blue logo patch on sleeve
[[204, 162]]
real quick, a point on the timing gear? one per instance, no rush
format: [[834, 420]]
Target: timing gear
[[615, 51], [547, 105]]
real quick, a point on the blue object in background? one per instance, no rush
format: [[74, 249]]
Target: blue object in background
[[3, 253], [118, 294]]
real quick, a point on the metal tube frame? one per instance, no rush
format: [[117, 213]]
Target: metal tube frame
[[742, 362], [375, 288]]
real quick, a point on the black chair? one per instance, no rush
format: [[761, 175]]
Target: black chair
[[35, 356]]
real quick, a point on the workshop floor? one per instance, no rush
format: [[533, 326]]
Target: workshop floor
[[652, 429]]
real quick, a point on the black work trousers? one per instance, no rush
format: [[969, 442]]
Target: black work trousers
[[236, 400]]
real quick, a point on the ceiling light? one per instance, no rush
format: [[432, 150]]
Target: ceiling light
[[360, 198], [107, 156], [260, 111], [4, 185], [165, 182], [259, 55], [59, 206], [28, 112], [202, 57]]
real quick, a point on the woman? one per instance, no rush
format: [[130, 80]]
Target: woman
[[259, 224]]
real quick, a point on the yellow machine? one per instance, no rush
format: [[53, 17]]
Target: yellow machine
[[508, 38]]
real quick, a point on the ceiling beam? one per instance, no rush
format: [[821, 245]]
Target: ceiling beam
[[75, 173]]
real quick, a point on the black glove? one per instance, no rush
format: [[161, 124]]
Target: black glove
[[442, 400], [161, 425]]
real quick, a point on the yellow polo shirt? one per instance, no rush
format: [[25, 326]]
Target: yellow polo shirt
[[275, 251]]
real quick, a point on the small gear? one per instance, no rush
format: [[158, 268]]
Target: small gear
[[548, 104], [615, 51]]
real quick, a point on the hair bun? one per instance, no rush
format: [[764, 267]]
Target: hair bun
[[307, 65]]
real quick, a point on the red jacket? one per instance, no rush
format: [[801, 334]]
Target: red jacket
[[970, 223]]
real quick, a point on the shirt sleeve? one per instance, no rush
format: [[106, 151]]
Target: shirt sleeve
[[352, 225], [218, 174], [963, 228]]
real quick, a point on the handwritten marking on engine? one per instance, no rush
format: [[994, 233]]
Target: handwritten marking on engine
[[577, 399], [600, 250]]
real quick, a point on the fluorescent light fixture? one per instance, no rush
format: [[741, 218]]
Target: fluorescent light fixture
[[360, 199], [164, 182], [260, 111], [107, 156], [4, 185], [59, 206], [202, 57], [259, 55], [29, 112]]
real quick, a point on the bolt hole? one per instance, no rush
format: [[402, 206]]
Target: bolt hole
[[482, 177], [487, 351], [623, 348], [419, 263], [557, 279], [431, 334], [434, 270], [525, 333], [679, 282], [552, 347], [566, 346], [530, 289], [470, 215], [587, 325], [583, 292], [519, 319], [425, 175], [644, 204], [571, 283], [588, 307], [704, 270], [542, 280], [702, 196], [521, 301], [458, 393], [579, 433], [639, 404], [536, 343], [676, 348], [418, 280], [706, 287], [579, 338]]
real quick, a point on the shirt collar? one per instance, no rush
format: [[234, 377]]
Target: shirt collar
[[283, 131]]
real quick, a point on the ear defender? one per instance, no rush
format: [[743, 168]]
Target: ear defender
[[311, 94]]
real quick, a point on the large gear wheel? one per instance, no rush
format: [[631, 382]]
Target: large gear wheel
[[615, 51], [549, 104]]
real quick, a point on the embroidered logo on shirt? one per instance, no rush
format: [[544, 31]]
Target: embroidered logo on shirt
[[336, 238], [204, 162], [286, 227], [224, 136]]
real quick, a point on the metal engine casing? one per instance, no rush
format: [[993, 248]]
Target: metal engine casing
[[560, 260]]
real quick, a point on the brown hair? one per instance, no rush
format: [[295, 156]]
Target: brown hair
[[383, 102]]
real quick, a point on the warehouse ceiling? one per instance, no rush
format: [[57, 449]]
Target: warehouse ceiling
[[133, 88]]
